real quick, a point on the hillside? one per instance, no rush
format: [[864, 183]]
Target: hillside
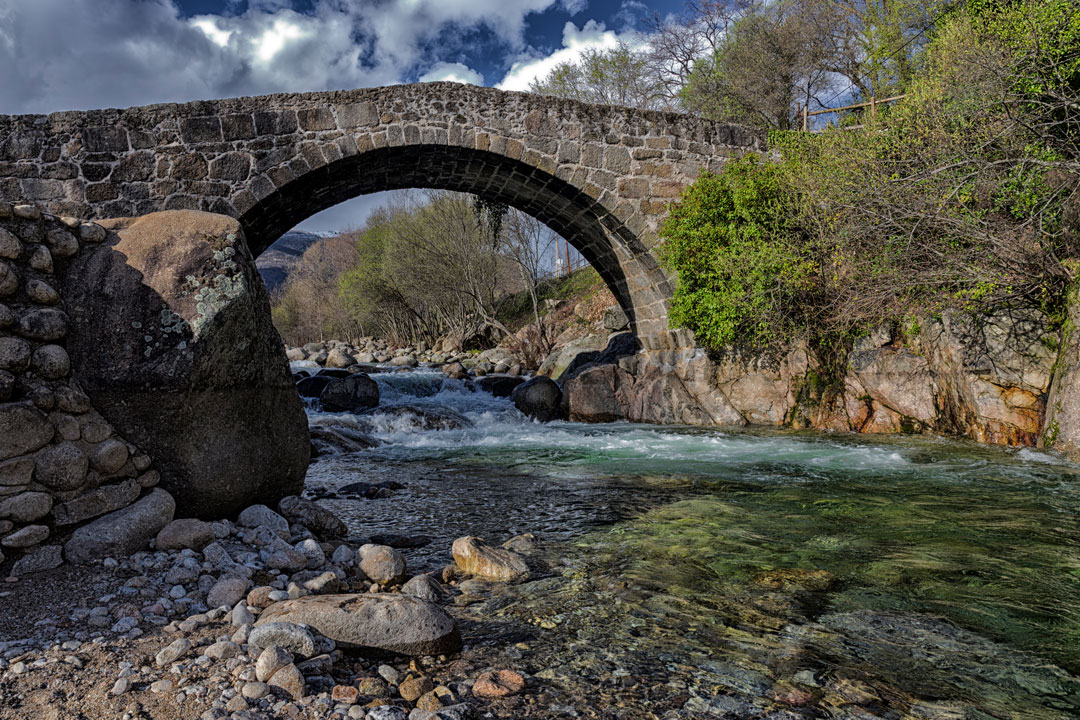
[[279, 259]]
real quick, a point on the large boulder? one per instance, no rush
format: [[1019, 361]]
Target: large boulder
[[171, 337], [122, 532], [352, 394], [539, 398], [381, 621], [593, 394]]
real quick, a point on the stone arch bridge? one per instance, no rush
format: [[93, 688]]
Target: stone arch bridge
[[599, 176]]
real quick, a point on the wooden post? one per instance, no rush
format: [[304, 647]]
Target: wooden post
[[806, 118], [566, 244], [873, 106]]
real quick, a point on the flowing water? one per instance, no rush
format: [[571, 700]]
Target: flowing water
[[694, 573]]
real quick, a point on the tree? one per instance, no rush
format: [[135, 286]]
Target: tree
[[618, 76]]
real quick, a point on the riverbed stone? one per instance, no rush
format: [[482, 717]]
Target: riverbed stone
[[498, 683], [262, 516], [390, 622], [475, 557], [190, 533], [311, 515], [289, 679], [270, 660], [39, 559], [227, 592], [122, 532], [382, 563], [209, 396], [26, 536], [284, 633], [352, 394]]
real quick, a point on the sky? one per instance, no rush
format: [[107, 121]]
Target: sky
[[83, 54]]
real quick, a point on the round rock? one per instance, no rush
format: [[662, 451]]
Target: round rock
[[14, 354], [109, 456], [51, 362], [26, 507], [26, 536], [284, 634], [61, 467], [186, 533], [382, 563]]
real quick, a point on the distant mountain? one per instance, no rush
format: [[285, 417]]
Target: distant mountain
[[278, 260]]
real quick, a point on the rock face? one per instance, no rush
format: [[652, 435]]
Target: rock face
[[476, 557], [393, 623], [121, 532], [193, 370], [538, 398]]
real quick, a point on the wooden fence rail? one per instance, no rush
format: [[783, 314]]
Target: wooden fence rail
[[805, 114]]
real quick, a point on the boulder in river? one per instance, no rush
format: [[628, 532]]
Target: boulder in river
[[311, 515], [499, 385], [423, 417], [475, 557], [538, 398], [382, 621], [170, 336], [352, 394], [329, 439]]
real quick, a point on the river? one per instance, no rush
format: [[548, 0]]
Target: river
[[692, 573]]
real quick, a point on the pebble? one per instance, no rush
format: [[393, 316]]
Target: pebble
[[121, 686], [172, 652], [161, 686], [255, 690]]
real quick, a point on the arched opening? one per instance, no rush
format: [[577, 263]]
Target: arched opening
[[619, 256]]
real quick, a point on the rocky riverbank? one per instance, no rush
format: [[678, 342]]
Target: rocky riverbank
[[271, 615]]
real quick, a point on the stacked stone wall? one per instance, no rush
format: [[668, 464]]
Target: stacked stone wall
[[61, 462]]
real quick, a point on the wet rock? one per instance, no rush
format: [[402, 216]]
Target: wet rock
[[538, 398], [524, 544], [394, 623], [382, 564], [426, 417], [122, 532], [313, 516], [498, 683], [352, 394], [475, 557], [331, 439], [455, 371], [499, 385], [185, 533], [312, 387], [210, 396]]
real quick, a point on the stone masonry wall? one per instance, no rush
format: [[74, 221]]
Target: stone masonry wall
[[61, 463]]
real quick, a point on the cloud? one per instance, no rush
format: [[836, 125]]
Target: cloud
[[134, 52], [591, 36], [454, 72]]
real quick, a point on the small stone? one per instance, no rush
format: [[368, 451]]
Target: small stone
[[14, 354], [26, 507], [260, 515], [372, 686], [382, 563], [27, 212], [241, 615], [41, 292], [227, 592], [40, 559], [62, 243], [236, 703], [414, 687], [92, 233], [43, 324], [26, 536], [499, 683], [390, 674], [289, 679], [345, 694], [10, 247], [161, 686], [61, 467], [190, 533], [270, 661], [41, 259], [429, 701], [109, 457], [285, 635], [260, 597], [173, 651], [223, 650], [121, 686], [255, 690]]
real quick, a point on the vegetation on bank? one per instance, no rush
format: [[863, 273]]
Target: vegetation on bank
[[426, 266], [963, 196]]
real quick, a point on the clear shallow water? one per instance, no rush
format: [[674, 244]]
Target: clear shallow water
[[746, 573]]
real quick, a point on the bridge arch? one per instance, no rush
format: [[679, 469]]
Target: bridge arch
[[600, 176]]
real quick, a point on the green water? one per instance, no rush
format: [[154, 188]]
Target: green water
[[691, 573]]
